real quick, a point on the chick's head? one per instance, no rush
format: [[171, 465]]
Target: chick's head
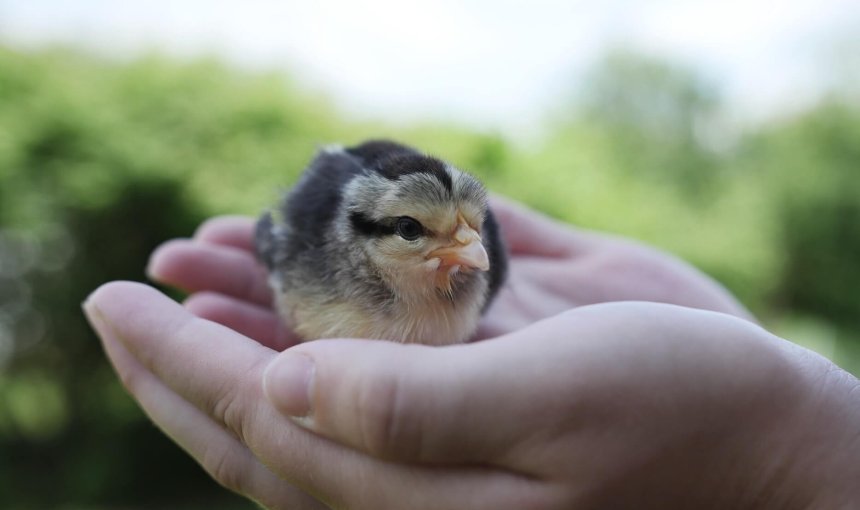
[[418, 221]]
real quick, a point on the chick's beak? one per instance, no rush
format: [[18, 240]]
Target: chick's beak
[[467, 250]]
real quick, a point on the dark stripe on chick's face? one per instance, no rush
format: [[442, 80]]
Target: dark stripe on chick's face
[[371, 228]]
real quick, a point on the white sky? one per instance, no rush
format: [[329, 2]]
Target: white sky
[[490, 63]]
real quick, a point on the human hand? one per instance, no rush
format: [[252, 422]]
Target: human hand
[[555, 267], [552, 268], [229, 287], [620, 405]]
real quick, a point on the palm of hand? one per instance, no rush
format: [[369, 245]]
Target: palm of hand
[[554, 267]]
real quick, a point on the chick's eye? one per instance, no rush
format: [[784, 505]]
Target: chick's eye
[[409, 228]]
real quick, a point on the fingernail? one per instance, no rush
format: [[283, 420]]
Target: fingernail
[[95, 317], [154, 264], [287, 384]]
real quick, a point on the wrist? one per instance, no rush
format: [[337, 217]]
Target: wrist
[[828, 434], [812, 447]]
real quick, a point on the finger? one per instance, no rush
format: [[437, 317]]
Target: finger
[[233, 231], [220, 373], [225, 459], [250, 320], [194, 266], [198, 359], [406, 402], [496, 402], [527, 232]]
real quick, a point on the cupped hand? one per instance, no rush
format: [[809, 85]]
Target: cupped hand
[[570, 406], [555, 267], [552, 268], [619, 405]]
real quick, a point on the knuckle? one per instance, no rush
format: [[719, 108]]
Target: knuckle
[[225, 469], [229, 408], [385, 425], [233, 405]]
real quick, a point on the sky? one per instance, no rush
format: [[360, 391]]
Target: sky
[[494, 64]]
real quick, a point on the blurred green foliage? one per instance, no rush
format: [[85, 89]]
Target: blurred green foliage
[[101, 161]]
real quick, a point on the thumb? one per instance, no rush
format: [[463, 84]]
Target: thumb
[[404, 402]]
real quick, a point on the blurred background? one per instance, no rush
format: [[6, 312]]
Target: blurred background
[[725, 132]]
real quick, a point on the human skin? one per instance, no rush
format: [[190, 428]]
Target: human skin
[[590, 391]]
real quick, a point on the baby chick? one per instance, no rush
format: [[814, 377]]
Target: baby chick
[[380, 241]]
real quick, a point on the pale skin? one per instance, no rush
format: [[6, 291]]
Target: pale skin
[[580, 397]]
